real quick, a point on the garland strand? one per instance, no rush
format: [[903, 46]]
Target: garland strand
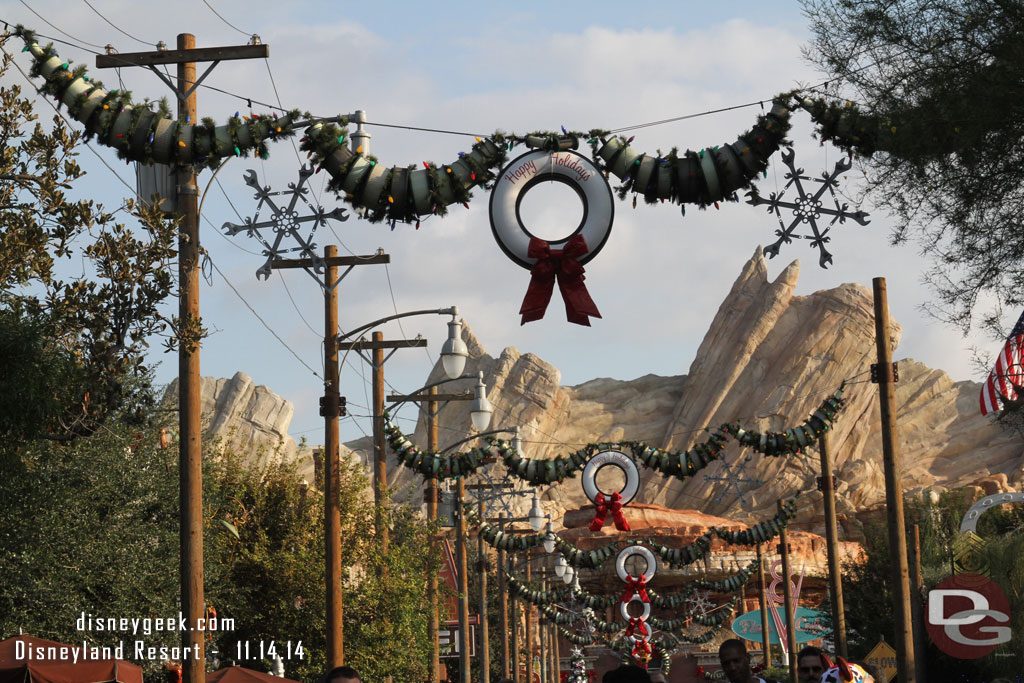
[[136, 131], [673, 557], [681, 464]]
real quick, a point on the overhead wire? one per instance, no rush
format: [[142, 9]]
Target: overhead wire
[[225, 20], [56, 28], [118, 28]]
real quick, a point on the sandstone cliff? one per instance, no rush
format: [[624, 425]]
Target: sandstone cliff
[[767, 360]]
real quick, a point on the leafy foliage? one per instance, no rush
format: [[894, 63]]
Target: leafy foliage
[[90, 328], [943, 80]]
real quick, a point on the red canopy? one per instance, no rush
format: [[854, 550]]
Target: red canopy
[[239, 674], [24, 659]]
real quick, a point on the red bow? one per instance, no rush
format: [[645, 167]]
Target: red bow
[[637, 625], [604, 507], [637, 585], [561, 265]]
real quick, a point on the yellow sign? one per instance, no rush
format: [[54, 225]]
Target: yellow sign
[[884, 658]]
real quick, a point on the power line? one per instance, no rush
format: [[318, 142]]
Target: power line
[[56, 28], [225, 20], [118, 28]]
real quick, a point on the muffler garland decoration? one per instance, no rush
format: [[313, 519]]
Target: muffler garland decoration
[[136, 131]]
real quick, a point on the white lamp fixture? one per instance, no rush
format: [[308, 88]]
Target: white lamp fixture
[[560, 566], [569, 574], [517, 443], [480, 409], [536, 515], [454, 351], [549, 540]]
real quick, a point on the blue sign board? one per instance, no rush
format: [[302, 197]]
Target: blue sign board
[[810, 625]]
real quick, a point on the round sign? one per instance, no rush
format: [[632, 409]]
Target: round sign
[[615, 459], [526, 172], [967, 616], [626, 553], [810, 625]]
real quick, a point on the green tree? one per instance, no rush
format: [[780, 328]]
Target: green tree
[[942, 84], [71, 347]]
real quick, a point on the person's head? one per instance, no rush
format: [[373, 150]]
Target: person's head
[[809, 664], [342, 674], [842, 672], [735, 661], [627, 673]]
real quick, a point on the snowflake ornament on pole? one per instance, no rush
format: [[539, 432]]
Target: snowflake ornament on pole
[[286, 221], [700, 604], [807, 208], [732, 478]]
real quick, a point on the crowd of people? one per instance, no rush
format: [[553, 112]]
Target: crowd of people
[[813, 666]]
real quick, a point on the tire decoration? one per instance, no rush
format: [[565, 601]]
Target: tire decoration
[[533, 168], [559, 260], [613, 502], [140, 134], [636, 589]]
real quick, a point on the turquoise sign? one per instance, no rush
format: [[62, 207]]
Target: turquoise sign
[[810, 625]]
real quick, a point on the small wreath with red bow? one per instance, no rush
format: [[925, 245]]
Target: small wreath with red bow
[[560, 260], [610, 503]]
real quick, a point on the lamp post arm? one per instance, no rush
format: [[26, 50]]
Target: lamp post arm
[[477, 436], [452, 310], [399, 404]]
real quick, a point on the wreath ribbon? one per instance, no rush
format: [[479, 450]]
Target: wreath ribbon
[[560, 265], [606, 505], [635, 585]]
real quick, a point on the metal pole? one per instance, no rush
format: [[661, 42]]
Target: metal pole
[[332, 469], [835, 578], [189, 411], [763, 599], [555, 651], [528, 606], [463, 571], [380, 455], [484, 656], [502, 604], [893, 488], [790, 607], [433, 620], [542, 633], [917, 609]]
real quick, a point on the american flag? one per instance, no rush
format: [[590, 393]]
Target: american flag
[[1007, 371]]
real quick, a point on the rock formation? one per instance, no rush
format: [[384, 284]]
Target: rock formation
[[768, 359]]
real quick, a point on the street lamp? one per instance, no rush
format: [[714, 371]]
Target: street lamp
[[549, 540], [560, 566], [454, 351], [537, 515], [569, 574], [480, 409]]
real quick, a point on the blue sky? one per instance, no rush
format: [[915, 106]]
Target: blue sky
[[478, 67]]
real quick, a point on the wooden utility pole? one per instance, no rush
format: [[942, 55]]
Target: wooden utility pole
[[516, 621], [332, 408], [484, 656], [528, 606], [556, 658], [380, 454], [190, 448], [380, 460], [331, 411], [433, 619], [463, 572], [787, 592], [763, 599], [917, 609], [886, 377], [189, 391], [835, 578], [503, 627]]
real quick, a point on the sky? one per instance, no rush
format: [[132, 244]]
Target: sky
[[475, 68]]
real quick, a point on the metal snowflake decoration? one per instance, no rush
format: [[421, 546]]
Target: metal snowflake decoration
[[732, 476], [499, 499], [700, 604], [285, 221], [807, 208]]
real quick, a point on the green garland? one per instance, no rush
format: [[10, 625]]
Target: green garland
[[673, 557], [136, 131], [846, 126], [682, 464]]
